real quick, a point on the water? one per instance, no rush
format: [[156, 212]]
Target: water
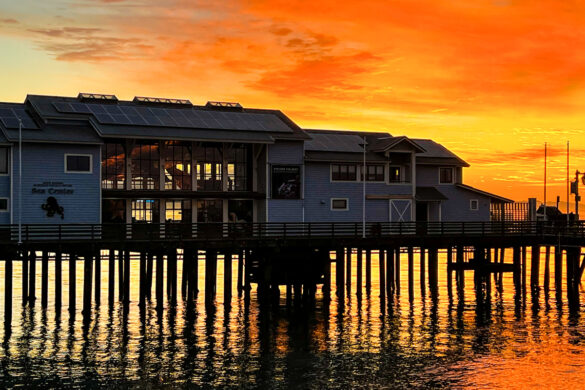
[[446, 341]]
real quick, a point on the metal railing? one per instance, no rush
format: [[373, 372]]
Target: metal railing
[[273, 230]]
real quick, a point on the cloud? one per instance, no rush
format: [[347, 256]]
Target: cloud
[[9, 21]]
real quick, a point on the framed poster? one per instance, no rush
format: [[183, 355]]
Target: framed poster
[[286, 182]]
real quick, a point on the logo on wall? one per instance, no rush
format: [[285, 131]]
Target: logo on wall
[[52, 207], [286, 182]]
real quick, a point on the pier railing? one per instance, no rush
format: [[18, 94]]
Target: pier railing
[[271, 230]]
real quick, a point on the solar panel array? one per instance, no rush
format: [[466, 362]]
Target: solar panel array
[[9, 117], [116, 114]]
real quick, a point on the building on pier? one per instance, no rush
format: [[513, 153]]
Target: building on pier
[[97, 159]]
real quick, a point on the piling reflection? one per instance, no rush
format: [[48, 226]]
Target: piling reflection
[[436, 331]]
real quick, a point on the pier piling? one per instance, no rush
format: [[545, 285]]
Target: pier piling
[[111, 276], [72, 281], [25, 267], [7, 293], [58, 279], [45, 279], [32, 279]]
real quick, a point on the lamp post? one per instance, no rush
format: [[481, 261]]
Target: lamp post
[[19, 182]]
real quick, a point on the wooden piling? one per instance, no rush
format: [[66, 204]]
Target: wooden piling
[[348, 271], [98, 277], [410, 273], [240, 281], [184, 276], [111, 276], [390, 273], [358, 275], [247, 273], [58, 279], [397, 271], [422, 271], [433, 269], [535, 267], [227, 278], [126, 277], [558, 268], [159, 281], [517, 261], [25, 267], [7, 294], [87, 278], [121, 257], [72, 281], [327, 276], [142, 280], [460, 273], [194, 283], [368, 271], [172, 275], [32, 278], [547, 269], [339, 272], [382, 272], [149, 266], [210, 274], [45, 279], [523, 265]]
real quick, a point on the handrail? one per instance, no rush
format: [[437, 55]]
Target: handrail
[[285, 230]]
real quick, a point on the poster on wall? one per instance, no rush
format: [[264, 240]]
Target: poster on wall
[[286, 182]]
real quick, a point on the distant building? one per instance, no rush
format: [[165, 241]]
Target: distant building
[[95, 159]]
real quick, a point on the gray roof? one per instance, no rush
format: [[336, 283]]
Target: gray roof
[[493, 197], [434, 153], [429, 194], [334, 141]]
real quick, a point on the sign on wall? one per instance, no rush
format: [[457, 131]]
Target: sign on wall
[[286, 182], [53, 188]]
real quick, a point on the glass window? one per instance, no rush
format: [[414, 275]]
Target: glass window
[[3, 204], [343, 172], [177, 166], [446, 175], [210, 210], [474, 204], [113, 166], [145, 167], [395, 175], [209, 167], [145, 210], [114, 211], [240, 211], [374, 173], [339, 204], [238, 170], [4, 160], [77, 163], [178, 211]]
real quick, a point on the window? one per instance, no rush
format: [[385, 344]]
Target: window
[[3, 204], [145, 167], [343, 172], [113, 167], [395, 175], [339, 204], [78, 163], [374, 173], [4, 160], [114, 211], [237, 168], [445, 175], [145, 210], [178, 210], [209, 167], [474, 205], [177, 166]]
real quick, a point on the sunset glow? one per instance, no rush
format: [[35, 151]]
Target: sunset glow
[[491, 80]]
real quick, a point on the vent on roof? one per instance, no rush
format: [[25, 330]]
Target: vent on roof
[[97, 97], [155, 100], [225, 105]]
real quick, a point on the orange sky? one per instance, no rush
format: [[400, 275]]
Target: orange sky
[[491, 80]]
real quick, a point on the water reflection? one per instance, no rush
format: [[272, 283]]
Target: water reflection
[[470, 331]]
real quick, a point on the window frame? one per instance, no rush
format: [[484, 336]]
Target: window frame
[[452, 169], [357, 176], [471, 201], [7, 148], [79, 155], [7, 210], [400, 176], [331, 208], [367, 173]]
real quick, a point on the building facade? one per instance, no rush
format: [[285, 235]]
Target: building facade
[[95, 159]]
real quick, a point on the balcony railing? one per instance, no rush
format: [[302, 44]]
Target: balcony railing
[[259, 231]]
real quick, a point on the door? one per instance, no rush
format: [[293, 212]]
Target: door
[[400, 210]]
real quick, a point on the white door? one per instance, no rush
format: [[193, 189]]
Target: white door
[[400, 210]]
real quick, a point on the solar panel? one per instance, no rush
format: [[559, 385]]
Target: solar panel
[[10, 118]]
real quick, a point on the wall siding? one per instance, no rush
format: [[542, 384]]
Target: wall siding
[[45, 163]]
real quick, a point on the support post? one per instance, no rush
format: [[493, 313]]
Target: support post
[[547, 269], [389, 273], [32, 279], [210, 275], [382, 275], [159, 281], [240, 280], [111, 276], [126, 278], [368, 271], [25, 266], [98, 277], [87, 277], [45, 279], [7, 294], [348, 271], [142, 280], [397, 271], [149, 265], [184, 276], [121, 256], [558, 269], [422, 271], [58, 279], [358, 276], [535, 268], [410, 273], [227, 278], [72, 281], [339, 273]]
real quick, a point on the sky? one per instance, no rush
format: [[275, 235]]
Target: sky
[[491, 80]]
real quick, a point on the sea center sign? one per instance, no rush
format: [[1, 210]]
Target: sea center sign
[[52, 188]]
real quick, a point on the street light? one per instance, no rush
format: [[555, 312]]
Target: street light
[[575, 190]]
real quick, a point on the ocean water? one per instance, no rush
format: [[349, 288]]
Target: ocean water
[[451, 339]]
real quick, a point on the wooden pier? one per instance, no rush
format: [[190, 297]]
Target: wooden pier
[[296, 256]]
